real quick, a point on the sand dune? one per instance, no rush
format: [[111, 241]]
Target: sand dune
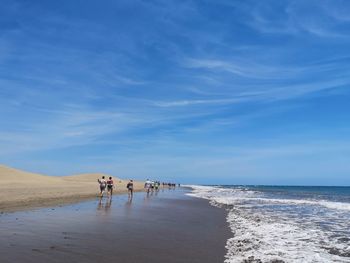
[[91, 177], [9, 174], [20, 189]]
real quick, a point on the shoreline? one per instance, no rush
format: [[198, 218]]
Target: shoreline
[[47, 202]]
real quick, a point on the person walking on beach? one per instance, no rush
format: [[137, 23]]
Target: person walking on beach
[[103, 185], [130, 187], [148, 185], [110, 186], [156, 185]]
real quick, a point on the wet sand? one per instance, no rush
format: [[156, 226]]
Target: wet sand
[[163, 227]]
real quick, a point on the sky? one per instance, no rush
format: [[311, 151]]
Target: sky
[[197, 92]]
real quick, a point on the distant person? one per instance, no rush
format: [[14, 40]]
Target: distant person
[[148, 184], [110, 186], [130, 187], [102, 182]]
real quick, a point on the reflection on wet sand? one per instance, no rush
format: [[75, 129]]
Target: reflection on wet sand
[[104, 205], [128, 205], [130, 200]]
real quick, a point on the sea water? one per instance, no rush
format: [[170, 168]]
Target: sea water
[[284, 223]]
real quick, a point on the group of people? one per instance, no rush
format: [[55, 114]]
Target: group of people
[[109, 186], [154, 185], [170, 185], [149, 186]]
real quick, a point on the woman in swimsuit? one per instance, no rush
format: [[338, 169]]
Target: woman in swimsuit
[[110, 186]]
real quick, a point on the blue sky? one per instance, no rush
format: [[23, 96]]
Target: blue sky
[[224, 91]]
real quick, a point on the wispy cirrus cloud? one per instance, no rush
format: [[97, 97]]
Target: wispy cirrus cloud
[[198, 102], [319, 18], [257, 94]]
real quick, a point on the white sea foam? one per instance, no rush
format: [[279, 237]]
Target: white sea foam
[[231, 196], [263, 234]]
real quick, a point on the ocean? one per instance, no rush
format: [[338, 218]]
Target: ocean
[[284, 223]]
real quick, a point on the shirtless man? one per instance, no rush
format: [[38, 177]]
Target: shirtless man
[[102, 182]]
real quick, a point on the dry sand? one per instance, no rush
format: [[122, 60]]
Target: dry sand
[[19, 189]]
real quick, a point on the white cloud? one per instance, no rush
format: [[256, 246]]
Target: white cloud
[[180, 103]]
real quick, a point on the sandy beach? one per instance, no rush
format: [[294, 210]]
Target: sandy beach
[[166, 226], [22, 190]]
